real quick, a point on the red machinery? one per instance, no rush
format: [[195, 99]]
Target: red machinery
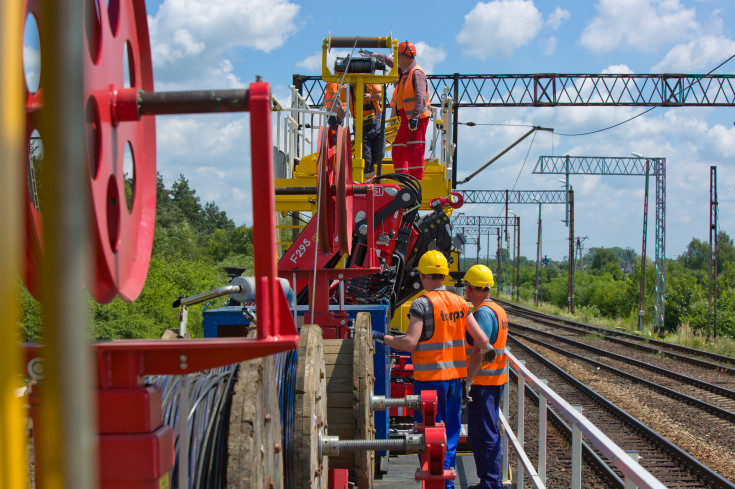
[[135, 449]]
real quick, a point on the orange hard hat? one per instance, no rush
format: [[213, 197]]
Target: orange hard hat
[[407, 47]]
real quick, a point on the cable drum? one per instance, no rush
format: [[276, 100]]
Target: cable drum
[[234, 423], [210, 402]]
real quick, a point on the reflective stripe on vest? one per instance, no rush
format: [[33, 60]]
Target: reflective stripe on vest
[[495, 372], [441, 356], [406, 98]]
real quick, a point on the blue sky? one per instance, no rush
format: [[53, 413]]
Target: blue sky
[[224, 44]]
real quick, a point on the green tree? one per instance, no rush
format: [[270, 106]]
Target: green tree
[[696, 256], [603, 257], [215, 219], [186, 200]]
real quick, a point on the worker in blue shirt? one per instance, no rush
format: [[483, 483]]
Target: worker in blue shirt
[[486, 387]]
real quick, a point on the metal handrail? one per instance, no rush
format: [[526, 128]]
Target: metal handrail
[[632, 471]]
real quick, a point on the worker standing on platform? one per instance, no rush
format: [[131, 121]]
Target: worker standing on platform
[[331, 104], [487, 385], [372, 141], [439, 321], [412, 101]]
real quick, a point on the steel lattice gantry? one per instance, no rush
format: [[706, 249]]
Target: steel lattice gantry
[[570, 90], [514, 196], [550, 89], [600, 165]]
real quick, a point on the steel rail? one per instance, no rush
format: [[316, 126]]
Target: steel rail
[[637, 345], [611, 336], [686, 461], [692, 401], [668, 373]]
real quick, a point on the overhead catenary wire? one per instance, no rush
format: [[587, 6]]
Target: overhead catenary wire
[[642, 113]]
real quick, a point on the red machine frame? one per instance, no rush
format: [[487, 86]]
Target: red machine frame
[[135, 449]]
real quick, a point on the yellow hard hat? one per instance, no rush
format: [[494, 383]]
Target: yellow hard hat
[[479, 276], [433, 262]]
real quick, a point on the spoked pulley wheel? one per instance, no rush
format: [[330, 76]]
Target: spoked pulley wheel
[[117, 56]]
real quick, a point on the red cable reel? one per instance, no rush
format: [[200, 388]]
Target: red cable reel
[[116, 36]]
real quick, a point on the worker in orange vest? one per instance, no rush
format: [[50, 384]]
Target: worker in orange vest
[[332, 104], [439, 321], [486, 387], [372, 141], [412, 102]]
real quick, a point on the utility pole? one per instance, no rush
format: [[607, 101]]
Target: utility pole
[[570, 292], [487, 257], [518, 258], [478, 242], [643, 254], [580, 247], [499, 281], [712, 294], [538, 258]]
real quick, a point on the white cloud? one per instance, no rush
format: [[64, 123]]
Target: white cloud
[[643, 25], [617, 70], [556, 17], [697, 56], [192, 39], [210, 170], [428, 57], [549, 46], [499, 27], [32, 67], [313, 63]]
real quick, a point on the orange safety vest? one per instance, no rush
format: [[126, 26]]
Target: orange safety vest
[[370, 110], [406, 99], [330, 95], [495, 372], [442, 356]]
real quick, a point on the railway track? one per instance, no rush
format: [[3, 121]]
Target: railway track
[[671, 464], [693, 356]]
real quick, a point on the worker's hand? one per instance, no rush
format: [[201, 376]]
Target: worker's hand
[[466, 392], [378, 336], [413, 124], [489, 356]]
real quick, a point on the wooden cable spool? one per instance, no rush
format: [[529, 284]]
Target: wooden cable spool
[[254, 452], [349, 366], [310, 411], [254, 455]]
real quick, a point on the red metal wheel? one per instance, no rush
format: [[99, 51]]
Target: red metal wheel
[[33, 235], [118, 54], [326, 227], [344, 214]]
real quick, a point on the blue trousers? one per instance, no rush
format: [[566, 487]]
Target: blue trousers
[[449, 397], [484, 434]]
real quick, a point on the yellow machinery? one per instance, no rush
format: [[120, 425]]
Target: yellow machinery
[[437, 180]]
